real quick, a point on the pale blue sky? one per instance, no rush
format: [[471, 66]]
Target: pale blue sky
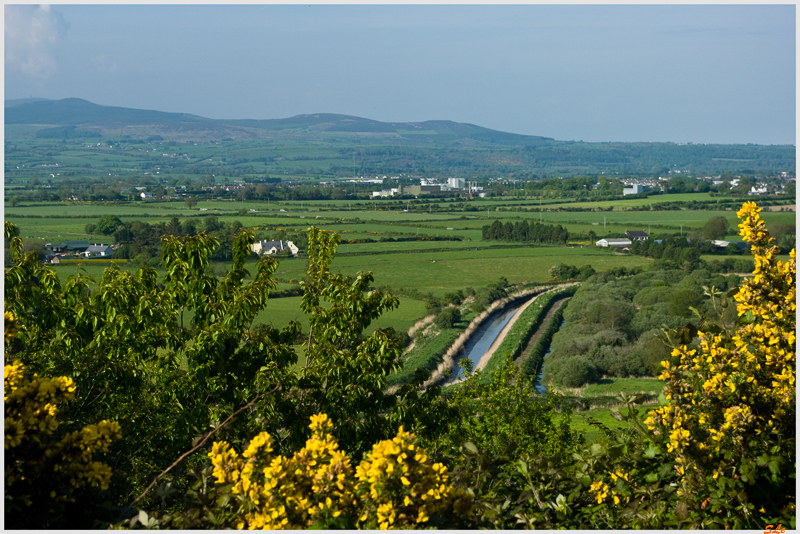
[[682, 73]]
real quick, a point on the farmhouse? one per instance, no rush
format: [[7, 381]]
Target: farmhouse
[[273, 247], [146, 195], [68, 246], [98, 250], [614, 242], [636, 235]]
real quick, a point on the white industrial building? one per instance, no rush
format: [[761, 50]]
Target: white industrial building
[[456, 183]]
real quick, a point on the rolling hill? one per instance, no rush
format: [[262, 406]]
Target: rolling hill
[[325, 144], [77, 114]]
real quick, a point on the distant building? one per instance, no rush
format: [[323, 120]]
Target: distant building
[[725, 244], [273, 247], [635, 189], [388, 192], [98, 250], [456, 183], [424, 189], [68, 246], [145, 195], [636, 235], [613, 242]]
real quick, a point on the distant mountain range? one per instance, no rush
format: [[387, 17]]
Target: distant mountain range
[[79, 114], [437, 146]]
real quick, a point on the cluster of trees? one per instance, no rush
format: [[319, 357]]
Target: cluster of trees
[[171, 386], [563, 272], [534, 232], [142, 241], [680, 250], [684, 252], [613, 324]]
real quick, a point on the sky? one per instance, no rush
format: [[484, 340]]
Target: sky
[[678, 73]]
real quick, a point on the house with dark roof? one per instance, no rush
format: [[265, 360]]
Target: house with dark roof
[[70, 247], [97, 251], [637, 235]]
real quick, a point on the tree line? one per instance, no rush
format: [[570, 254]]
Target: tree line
[[534, 232]]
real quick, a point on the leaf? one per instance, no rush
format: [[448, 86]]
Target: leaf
[[597, 449], [651, 450], [616, 414], [681, 510], [775, 465]]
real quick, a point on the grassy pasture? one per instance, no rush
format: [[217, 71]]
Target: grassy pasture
[[413, 245], [615, 386], [442, 272], [432, 271]]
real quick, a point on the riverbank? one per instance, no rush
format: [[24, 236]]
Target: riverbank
[[451, 356]]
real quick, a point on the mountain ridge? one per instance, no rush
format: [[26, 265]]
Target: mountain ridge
[[80, 114]]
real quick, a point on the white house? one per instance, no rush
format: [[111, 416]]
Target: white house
[[613, 242], [638, 235], [98, 250], [272, 247], [146, 195]]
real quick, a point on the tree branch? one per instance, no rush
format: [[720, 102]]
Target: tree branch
[[200, 444]]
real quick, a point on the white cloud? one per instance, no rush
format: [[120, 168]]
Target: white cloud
[[31, 36]]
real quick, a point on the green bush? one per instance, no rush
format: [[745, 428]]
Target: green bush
[[447, 318], [575, 372]]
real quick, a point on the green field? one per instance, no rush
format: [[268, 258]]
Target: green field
[[429, 267]]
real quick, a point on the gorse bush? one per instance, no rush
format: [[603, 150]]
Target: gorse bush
[[45, 468], [731, 417]]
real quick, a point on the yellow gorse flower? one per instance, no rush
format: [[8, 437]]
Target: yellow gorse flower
[[395, 486], [718, 394], [31, 407]]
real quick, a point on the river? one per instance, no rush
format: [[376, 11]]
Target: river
[[482, 339], [542, 390]]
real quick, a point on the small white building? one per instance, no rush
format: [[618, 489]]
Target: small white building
[[613, 242], [273, 247], [146, 195], [634, 189]]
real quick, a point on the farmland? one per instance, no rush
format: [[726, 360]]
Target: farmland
[[420, 250]]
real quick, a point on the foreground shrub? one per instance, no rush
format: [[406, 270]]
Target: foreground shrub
[[44, 468], [397, 485], [731, 417]]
